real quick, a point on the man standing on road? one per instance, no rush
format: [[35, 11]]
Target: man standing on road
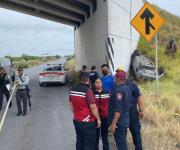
[[83, 106], [119, 111], [102, 101], [107, 78], [4, 81], [22, 81], [135, 112]]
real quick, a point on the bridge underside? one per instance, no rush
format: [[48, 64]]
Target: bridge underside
[[70, 12], [103, 33]]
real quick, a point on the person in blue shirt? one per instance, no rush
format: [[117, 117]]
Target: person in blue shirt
[[107, 78], [119, 111]]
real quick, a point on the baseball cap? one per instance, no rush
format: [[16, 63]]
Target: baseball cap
[[120, 69], [120, 74]]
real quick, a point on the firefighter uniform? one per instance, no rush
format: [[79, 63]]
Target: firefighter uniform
[[85, 124], [102, 101], [134, 126], [119, 102]]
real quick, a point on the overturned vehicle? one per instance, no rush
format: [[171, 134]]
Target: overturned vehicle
[[143, 68]]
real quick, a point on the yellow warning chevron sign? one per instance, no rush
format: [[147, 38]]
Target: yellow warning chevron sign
[[147, 21]]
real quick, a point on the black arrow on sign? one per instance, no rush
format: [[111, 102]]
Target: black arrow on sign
[[147, 15]]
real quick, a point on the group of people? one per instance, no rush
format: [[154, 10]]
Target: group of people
[[103, 104], [6, 84]]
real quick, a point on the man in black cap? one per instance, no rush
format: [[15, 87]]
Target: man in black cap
[[4, 81]]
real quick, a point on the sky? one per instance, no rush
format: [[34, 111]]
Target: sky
[[24, 34], [173, 6]]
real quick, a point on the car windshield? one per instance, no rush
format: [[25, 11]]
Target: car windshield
[[54, 68]]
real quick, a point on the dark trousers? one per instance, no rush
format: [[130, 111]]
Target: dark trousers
[[120, 138], [85, 135], [103, 132], [21, 96], [135, 129], [4, 91]]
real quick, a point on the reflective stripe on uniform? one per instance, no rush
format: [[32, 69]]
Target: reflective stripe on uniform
[[74, 92], [77, 95], [86, 119]]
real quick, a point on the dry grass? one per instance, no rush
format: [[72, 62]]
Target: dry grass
[[161, 125], [73, 75]]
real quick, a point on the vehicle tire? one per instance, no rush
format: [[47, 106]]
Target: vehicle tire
[[66, 82], [41, 84]]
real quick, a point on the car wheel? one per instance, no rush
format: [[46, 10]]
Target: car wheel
[[41, 84], [65, 82]]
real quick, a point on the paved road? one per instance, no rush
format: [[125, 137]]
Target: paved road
[[47, 127]]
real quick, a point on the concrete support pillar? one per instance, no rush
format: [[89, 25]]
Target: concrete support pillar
[[107, 36]]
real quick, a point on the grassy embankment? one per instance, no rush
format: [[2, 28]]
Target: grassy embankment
[[162, 113], [27, 61], [161, 125]]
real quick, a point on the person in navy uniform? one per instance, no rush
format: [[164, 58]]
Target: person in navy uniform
[[4, 81], [102, 101], [86, 116], [93, 75], [135, 112], [119, 111]]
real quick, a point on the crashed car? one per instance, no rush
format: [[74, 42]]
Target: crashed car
[[143, 68]]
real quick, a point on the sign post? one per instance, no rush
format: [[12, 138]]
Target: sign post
[[157, 77], [148, 22]]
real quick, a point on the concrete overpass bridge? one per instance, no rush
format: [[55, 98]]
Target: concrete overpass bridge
[[103, 33]]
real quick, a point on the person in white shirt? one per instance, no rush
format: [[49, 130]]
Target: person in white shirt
[[22, 81]]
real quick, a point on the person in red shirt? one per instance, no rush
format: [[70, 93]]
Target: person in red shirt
[[102, 100], [86, 116]]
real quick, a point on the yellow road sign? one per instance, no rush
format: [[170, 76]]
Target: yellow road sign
[[147, 22]]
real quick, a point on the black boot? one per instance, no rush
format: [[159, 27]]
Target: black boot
[[19, 114], [24, 113], [10, 105]]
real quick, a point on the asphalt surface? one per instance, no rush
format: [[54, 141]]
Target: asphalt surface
[[47, 127]]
